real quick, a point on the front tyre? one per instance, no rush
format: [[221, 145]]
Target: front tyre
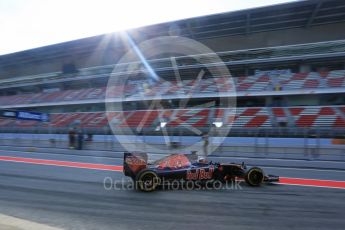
[[254, 176], [147, 181]]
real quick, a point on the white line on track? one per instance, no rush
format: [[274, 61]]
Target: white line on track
[[59, 154], [305, 169], [12, 223], [277, 159]]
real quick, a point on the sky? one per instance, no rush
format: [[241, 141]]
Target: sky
[[26, 24]]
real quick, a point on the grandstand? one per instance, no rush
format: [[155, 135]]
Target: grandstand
[[287, 64]]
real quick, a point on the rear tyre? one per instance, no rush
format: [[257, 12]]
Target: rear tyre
[[254, 176], [147, 181]]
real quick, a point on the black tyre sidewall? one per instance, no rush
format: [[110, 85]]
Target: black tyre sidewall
[[249, 174], [140, 184]]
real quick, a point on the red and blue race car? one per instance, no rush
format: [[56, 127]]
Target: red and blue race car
[[187, 168]]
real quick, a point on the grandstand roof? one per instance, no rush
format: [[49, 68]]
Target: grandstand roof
[[276, 17]]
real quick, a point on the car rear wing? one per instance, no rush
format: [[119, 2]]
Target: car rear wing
[[134, 163]]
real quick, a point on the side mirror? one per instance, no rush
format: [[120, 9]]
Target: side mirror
[[243, 165]]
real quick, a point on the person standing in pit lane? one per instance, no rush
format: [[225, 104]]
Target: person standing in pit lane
[[71, 138]]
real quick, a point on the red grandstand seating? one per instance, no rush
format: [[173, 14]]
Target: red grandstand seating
[[180, 119], [195, 118], [306, 120], [250, 118], [219, 113], [250, 112], [85, 93], [327, 111], [240, 79], [141, 118], [35, 98], [166, 114], [24, 124], [65, 120], [339, 123], [244, 86], [48, 97], [5, 122], [203, 122], [15, 99], [278, 112], [263, 78], [299, 76], [323, 74], [312, 116], [71, 95], [311, 83], [99, 120], [296, 111], [257, 121], [335, 82], [124, 122], [95, 93], [244, 83], [114, 91]]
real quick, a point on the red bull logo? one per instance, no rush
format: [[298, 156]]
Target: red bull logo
[[200, 174]]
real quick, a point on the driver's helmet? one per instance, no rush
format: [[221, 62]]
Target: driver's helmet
[[202, 160]]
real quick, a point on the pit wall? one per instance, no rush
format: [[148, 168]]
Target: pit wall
[[269, 152]]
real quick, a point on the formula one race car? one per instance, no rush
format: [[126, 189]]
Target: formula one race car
[[187, 167]]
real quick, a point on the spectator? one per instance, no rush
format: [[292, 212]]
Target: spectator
[[71, 138], [278, 87], [89, 137], [80, 139]]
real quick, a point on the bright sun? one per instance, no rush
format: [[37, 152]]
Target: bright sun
[[32, 23]]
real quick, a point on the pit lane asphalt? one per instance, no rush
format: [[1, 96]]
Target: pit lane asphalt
[[73, 198]]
